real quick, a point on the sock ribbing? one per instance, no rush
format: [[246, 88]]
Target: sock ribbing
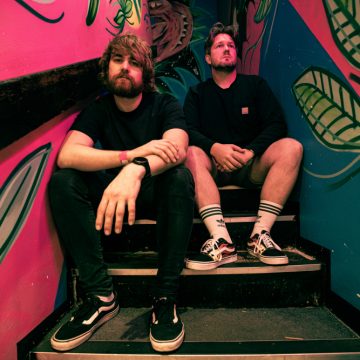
[[266, 216], [213, 218]]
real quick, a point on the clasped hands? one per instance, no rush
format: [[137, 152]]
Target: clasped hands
[[230, 157]]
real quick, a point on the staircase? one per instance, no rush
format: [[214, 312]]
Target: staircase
[[244, 310]]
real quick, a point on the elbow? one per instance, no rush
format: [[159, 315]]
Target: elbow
[[182, 155], [62, 161]]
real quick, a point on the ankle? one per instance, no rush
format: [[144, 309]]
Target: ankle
[[107, 298], [222, 236]]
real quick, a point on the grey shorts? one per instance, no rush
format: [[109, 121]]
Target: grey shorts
[[240, 177]]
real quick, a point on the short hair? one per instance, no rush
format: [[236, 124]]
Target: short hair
[[141, 52], [216, 29]]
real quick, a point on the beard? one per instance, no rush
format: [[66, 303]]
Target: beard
[[127, 91], [229, 68]]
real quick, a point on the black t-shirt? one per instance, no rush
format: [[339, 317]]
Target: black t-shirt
[[246, 114], [113, 129]]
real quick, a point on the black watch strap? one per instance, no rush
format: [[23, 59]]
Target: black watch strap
[[143, 162]]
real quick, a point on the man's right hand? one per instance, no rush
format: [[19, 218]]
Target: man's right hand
[[122, 192], [164, 148], [230, 157], [227, 156]]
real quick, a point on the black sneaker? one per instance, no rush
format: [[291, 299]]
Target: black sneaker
[[213, 253], [166, 329], [91, 314], [264, 247]]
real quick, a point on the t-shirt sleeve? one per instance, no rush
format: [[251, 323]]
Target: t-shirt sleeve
[[89, 121], [172, 113]]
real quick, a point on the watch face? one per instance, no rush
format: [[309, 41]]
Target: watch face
[[140, 160], [143, 162]]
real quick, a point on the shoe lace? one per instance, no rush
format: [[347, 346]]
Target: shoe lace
[[266, 239], [164, 311], [209, 245]]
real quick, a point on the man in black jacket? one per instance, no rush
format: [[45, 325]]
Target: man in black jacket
[[237, 132]]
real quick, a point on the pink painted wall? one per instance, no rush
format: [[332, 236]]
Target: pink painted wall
[[31, 269], [35, 36], [29, 43]]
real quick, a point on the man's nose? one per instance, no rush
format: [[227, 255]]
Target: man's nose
[[125, 65]]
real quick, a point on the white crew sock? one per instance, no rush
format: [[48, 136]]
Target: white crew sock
[[212, 217], [266, 216]]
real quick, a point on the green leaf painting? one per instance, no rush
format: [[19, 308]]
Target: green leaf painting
[[331, 108], [344, 21], [93, 8], [17, 196], [124, 13], [262, 11]]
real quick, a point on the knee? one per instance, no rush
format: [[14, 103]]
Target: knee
[[296, 149], [292, 149], [196, 157], [178, 180]]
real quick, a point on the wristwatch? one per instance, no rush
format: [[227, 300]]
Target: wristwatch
[[143, 162]]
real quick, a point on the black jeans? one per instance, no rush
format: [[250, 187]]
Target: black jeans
[[74, 197]]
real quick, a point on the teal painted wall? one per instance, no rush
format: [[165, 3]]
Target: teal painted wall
[[299, 39]]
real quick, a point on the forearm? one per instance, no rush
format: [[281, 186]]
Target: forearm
[[158, 164], [87, 158]]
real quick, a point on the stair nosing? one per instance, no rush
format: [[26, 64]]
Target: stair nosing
[[332, 349], [227, 219], [221, 270]]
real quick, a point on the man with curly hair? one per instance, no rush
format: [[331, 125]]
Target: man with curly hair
[[137, 167]]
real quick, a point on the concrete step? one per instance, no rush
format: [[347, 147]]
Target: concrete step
[[243, 333]]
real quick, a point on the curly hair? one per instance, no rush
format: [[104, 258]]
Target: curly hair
[[216, 29], [139, 49]]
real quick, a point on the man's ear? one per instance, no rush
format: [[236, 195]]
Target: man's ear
[[208, 59]]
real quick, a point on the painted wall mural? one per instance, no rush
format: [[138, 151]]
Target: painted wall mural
[[310, 56], [316, 80], [179, 29], [331, 109], [17, 196], [45, 31], [31, 261]]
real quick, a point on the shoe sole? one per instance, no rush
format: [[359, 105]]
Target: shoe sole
[[197, 265], [167, 346], [73, 343], [284, 260]]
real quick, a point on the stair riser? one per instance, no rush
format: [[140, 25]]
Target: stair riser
[[143, 237], [230, 291]]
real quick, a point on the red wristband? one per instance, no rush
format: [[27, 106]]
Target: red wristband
[[123, 155]]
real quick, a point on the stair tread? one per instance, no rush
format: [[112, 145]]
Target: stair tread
[[147, 260], [246, 330]]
